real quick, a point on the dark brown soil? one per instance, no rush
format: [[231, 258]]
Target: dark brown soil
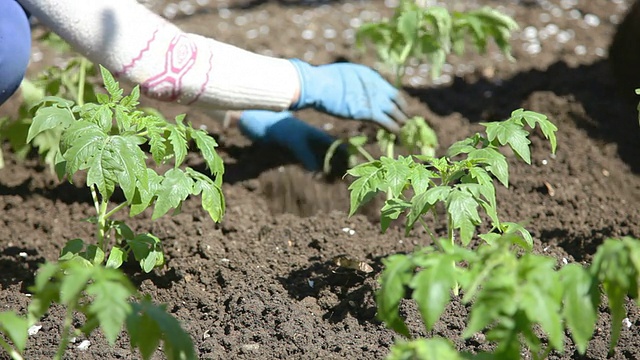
[[261, 283]]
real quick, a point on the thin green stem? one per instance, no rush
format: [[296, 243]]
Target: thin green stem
[[65, 333], [81, 81], [102, 221], [15, 355], [431, 234], [451, 239], [96, 202], [115, 210], [365, 153]]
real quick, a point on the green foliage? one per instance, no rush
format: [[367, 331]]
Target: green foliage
[[107, 299], [105, 139], [416, 184], [513, 299], [416, 136], [71, 82], [433, 32], [424, 349]]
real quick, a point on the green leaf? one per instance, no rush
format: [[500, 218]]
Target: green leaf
[[431, 287], [15, 328], [147, 249], [207, 146], [407, 26], [110, 83], [178, 140], [497, 163], [47, 118], [360, 140], [394, 279], [131, 101], [543, 309], [71, 249], [110, 290], [212, 198], [424, 349], [177, 343], [79, 144], [508, 132], [391, 211], [461, 147], [369, 181], [116, 258], [130, 160], [94, 254], [511, 227], [145, 193], [397, 173], [144, 332], [420, 179], [581, 299], [548, 128], [73, 283], [424, 202], [462, 207], [174, 189]]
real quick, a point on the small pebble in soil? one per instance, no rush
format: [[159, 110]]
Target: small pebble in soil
[[311, 283], [34, 329], [348, 230], [249, 348], [626, 322], [565, 261], [84, 345]]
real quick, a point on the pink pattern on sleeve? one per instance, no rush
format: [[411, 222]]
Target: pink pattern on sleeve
[[130, 65], [179, 59]]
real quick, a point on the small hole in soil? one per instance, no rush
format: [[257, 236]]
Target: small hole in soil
[[290, 189]]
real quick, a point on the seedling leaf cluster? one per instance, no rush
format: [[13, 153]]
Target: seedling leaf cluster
[[432, 32], [109, 141]]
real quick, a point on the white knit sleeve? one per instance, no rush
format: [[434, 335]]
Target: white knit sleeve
[[169, 64]]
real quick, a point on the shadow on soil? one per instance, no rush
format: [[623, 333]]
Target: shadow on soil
[[19, 272]]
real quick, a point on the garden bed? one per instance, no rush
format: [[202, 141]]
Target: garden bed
[[261, 284]]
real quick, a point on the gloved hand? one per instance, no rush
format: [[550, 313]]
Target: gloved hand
[[15, 47], [306, 142], [350, 91]]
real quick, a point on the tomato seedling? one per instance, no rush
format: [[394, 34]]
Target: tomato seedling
[[433, 32], [105, 140]]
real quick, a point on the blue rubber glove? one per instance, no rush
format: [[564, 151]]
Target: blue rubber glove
[[307, 143], [15, 47], [350, 91]]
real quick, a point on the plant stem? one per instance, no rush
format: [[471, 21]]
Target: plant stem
[[424, 225], [81, 81], [96, 202], [115, 210], [15, 355], [65, 333], [101, 226], [365, 153], [450, 238]]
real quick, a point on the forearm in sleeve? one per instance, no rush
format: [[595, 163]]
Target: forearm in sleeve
[[169, 64]]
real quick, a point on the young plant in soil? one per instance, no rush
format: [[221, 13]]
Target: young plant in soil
[[431, 33], [425, 34], [521, 304], [72, 82], [518, 301], [106, 140], [462, 185]]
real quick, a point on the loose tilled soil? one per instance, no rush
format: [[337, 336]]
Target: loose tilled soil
[[261, 285]]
